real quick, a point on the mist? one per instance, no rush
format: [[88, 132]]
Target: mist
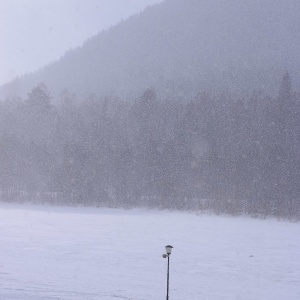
[[142, 126], [35, 33]]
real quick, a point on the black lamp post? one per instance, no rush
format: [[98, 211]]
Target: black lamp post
[[168, 251]]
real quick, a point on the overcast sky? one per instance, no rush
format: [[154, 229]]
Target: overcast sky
[[36, 32]]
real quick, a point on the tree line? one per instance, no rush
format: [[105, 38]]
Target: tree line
[[218, 153]]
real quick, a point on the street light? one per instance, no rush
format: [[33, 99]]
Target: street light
[[168, 251]]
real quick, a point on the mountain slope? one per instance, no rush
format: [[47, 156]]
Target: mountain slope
[[182, 46]]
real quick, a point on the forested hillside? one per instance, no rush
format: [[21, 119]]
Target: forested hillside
[[179, 47], [220, 153]]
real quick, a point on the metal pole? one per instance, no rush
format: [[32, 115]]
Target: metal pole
[[168, 277]]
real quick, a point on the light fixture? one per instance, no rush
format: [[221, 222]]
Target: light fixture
[[168, 251]]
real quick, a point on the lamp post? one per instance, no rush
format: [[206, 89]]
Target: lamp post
[[168, 251]]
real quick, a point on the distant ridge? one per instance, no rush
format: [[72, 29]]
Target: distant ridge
[[181, 47]]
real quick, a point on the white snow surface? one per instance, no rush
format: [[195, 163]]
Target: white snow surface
[[84, 253]]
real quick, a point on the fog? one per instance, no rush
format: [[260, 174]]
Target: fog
[[186, 105], [180, 48], [134, 128], [34, 33]]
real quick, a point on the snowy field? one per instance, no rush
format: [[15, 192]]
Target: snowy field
[[82, 253]]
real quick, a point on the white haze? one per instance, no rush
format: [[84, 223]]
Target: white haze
[[180, 47], [33, 33]]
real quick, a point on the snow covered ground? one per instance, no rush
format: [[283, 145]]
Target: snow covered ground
[[83, 253]]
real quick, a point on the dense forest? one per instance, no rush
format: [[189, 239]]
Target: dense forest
[[217, 153]]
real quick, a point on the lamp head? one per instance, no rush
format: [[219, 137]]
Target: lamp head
[[169, 249]]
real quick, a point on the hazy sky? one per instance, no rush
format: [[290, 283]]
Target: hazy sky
[[36, 32]]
